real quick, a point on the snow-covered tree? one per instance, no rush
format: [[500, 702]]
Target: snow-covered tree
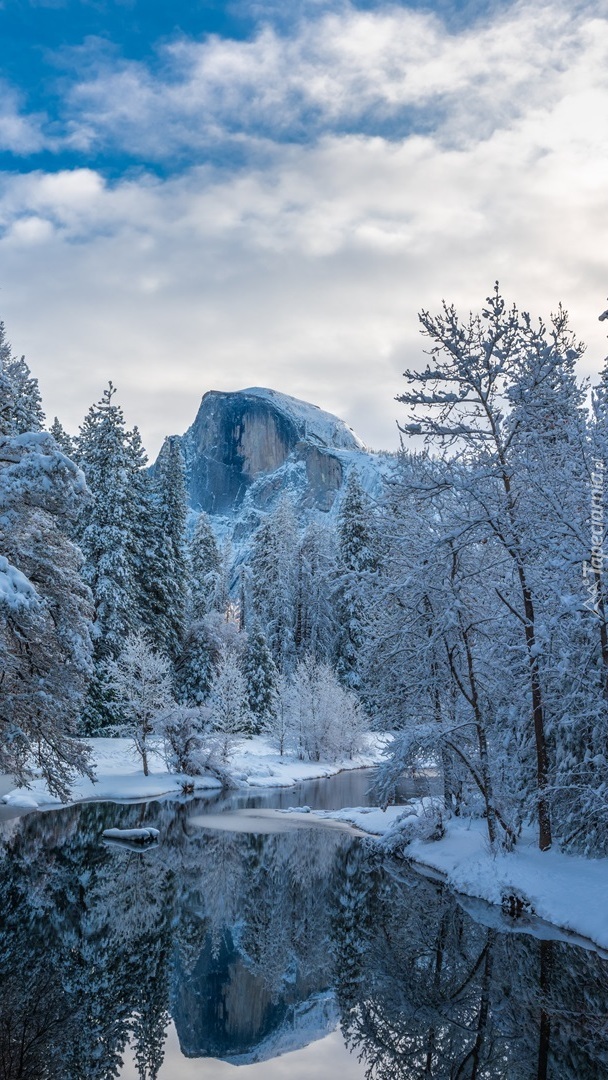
[[170, 564], [45, 613], [315, 627], [141, 683], [358, 558], [107, 527], [206, 570], [184, 732], [279, 721], [462, 403], [261, 675], [229, 710], [65, 442], [274, 582], [20, 401], [326, 719], [199, 660]]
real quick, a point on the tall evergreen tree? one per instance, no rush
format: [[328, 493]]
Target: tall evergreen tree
[[206, 569], [107, 526], [65, 442], [315, 628], [357, 559], [45, 610], [274, 582], [261, 676], [170, 569], [20, 401]]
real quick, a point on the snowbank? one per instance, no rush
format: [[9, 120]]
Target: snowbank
[[119, 775], [569, 891], [254, 763]]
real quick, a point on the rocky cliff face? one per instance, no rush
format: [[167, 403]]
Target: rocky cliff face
[[247, 448]]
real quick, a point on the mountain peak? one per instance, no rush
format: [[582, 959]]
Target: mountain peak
[[263, 439]]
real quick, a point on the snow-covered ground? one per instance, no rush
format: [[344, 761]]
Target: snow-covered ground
[[569, 891], [119, 775]]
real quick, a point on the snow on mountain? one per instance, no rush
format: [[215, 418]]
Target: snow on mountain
[[306, 1022], [249, 448], [311, 421]]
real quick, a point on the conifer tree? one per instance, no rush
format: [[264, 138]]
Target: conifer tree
[[357, 559], [274, 582], [107, 526], [196, 665], [45, 610], [170, 570], [261, 675], [315, 626], [20, 401], [206, 569], [65, 442]]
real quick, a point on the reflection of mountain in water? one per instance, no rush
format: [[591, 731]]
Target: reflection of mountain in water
[[223, 1009], [257, 945]]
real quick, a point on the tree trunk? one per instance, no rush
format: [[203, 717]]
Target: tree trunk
[[542, 761]]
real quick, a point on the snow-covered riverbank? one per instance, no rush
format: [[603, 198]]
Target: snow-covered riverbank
[[254, 763], [569, 891]]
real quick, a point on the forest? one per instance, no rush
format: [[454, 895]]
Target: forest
[[463, 612]]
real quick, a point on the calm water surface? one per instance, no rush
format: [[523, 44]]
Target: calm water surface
[[300, 954]]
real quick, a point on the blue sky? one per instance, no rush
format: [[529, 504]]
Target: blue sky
[[208, 195]]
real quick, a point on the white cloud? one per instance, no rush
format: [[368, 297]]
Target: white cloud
[[305, 270], [19, 133], [342, 68]]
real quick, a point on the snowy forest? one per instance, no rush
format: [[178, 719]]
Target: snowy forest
[[463, 612]]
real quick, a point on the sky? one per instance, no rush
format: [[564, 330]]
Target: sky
[[202, 195]]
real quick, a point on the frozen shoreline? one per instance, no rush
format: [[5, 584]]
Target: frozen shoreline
[[119, 776], [568, 891]]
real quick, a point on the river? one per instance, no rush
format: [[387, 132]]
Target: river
[[300, 954]]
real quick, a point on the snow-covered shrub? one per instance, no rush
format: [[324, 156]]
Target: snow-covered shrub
[[141, 682], [422, 819], [316, 715], [228, 707], [185, 734]]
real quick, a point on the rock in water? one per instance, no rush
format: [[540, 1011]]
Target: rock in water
[[141, 837]]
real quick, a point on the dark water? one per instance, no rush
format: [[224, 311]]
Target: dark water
[[300, 955]]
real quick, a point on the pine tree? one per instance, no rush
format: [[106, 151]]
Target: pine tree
[[143, 537], [274, 582], [20, 401], [196, 665], [107, 525], [357, 559], [261, 675], [65, 442], [206, 569], [106, 529], [45, 610], [315, 625], [170, 570]]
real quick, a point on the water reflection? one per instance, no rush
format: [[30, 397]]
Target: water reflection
[[255, 945]]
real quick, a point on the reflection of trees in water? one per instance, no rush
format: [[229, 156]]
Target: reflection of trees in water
[[426, 992], [98, 922], [94, 939], [99, 945]]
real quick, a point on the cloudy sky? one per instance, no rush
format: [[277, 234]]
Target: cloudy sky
[[202, 195]]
